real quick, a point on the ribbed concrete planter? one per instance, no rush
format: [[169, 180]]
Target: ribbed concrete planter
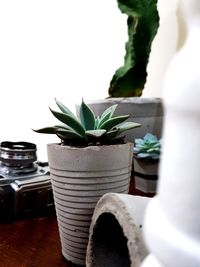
[[145, 174], [80, 176], [147, 111], [116, 232]]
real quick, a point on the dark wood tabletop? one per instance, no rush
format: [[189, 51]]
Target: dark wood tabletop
[[34, 242], [31, 242]]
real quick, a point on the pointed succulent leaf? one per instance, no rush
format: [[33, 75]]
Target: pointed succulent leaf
[[70, 121], [68, 138], [139, 147], [109, 111], [68, 134], [107, 114], [127, 126], [96, 133], [157, 145], [156, 150], [139, 141], [150, 138], [64, 109], [63, 126], [109, 124], [87, 117], [46, 130], [112, 133], [66, 127]]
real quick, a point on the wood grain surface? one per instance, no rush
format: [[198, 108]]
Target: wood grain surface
[[31, 242], [34, 242]]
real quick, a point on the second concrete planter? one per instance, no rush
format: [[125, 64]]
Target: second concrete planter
[[80, 176], [145, 174]]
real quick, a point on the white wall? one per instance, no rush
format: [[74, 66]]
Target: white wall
[[63, 49], [54, 48]]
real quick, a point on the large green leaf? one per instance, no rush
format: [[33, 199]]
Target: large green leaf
[[127, 126], [109, 124], [46, 130], [63, 126], [107, 114], [70, 121], [143, 22], [68, 134], [87, 117], [64, 109]]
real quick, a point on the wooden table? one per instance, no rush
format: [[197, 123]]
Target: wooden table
[[31, 242], [35, 242]]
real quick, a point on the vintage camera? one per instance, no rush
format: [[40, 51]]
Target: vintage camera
[[25, 187]]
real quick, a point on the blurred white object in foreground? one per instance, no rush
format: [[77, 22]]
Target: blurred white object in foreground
[[172, 222]]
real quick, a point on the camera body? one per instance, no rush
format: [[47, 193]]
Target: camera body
[[25, 186]]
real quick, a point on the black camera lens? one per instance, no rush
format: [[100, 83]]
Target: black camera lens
[[17, 154]]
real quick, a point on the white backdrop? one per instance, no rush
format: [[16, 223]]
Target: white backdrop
[[55, 48]]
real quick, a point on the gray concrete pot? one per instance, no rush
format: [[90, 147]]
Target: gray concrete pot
[[145, 174], [80, 176], [147, 111], [116, 232]]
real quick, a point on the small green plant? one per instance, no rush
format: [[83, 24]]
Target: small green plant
[[143, 22], [89, 130], [148, 147]]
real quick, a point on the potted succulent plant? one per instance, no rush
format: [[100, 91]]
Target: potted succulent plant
[[128, 81], [91, 160], [146, 157]]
